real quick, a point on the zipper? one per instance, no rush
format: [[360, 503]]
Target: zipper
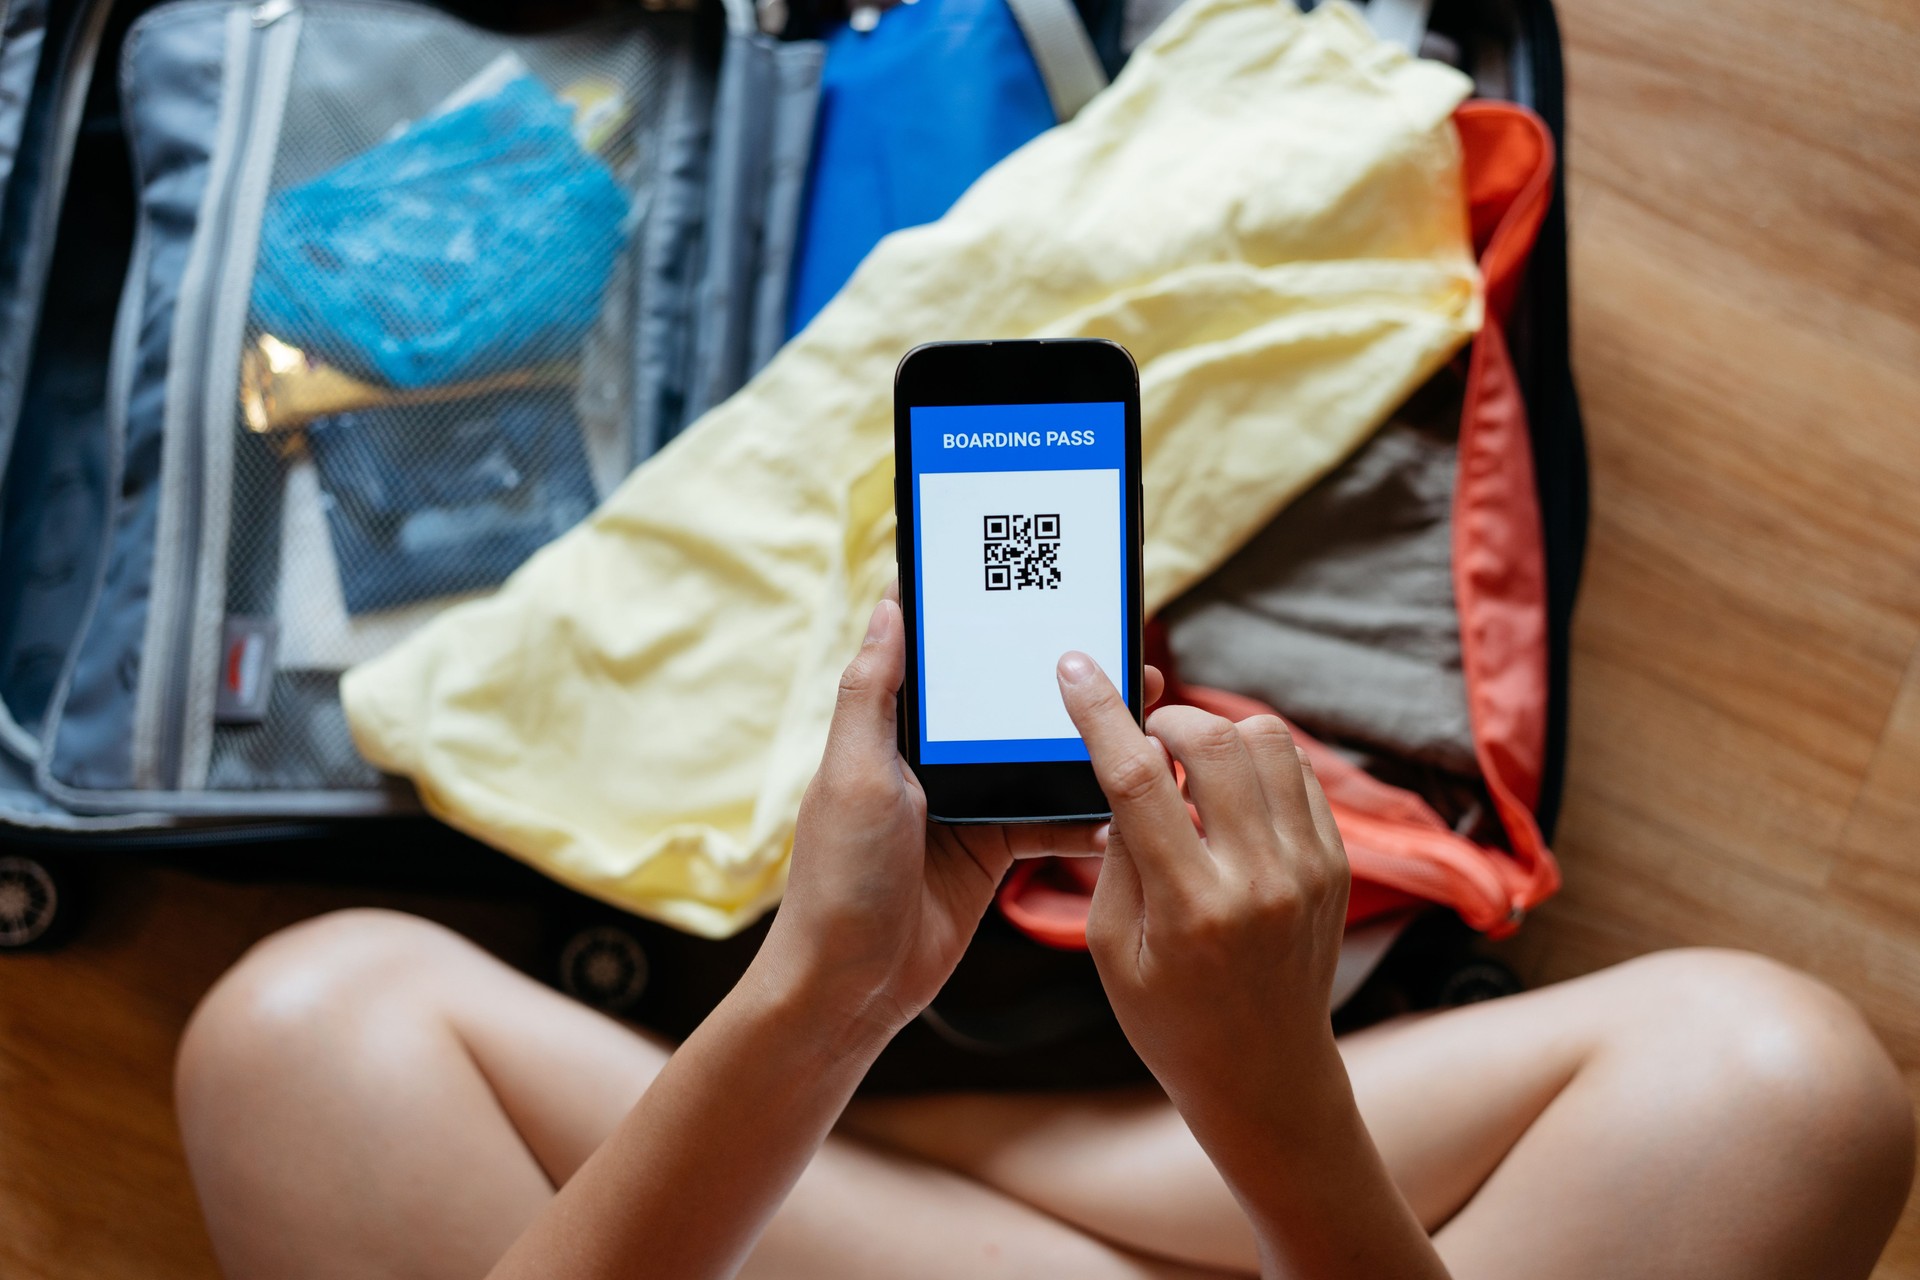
[[175, 653]]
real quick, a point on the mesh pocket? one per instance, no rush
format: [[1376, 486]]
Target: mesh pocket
[[440, 351]]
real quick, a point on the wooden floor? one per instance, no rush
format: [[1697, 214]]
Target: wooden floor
[[1746, 733]]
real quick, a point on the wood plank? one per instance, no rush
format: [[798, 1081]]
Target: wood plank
[[1745, 754], [1760, 573], [92, 1179]]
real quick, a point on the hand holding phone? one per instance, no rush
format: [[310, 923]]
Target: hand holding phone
[[880, 904], [1017, 485]]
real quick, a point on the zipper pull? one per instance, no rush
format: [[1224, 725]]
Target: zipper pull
[[268, 12]]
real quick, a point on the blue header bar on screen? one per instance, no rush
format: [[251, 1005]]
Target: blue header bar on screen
[[1019, 437]]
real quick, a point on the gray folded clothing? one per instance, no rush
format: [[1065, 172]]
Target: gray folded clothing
[[1340, 613]]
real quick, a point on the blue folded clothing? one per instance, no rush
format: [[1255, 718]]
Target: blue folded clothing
[[910, 114], [475, 242]]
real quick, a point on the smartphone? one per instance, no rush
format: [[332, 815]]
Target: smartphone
[[1017, 487]]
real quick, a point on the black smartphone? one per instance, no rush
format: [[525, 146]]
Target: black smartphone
[[1017, 486]]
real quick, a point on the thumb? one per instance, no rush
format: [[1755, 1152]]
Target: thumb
[[863, 732]]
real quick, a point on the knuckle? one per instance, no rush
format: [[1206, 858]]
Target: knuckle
[[1267, 732], [1310, 881], [1195, 732], [1338, 876], [1282, 901], [857, 679], [1337, 865], [1135, 777], [1318, 880], [1214, 737], [1210, 933]]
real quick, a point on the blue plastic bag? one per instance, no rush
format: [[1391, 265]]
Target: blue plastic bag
[[473, 243]]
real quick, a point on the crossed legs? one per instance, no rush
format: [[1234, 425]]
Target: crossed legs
[[369, 1095]]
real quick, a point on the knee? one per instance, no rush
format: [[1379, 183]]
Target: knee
[[1772, 1052], [297, 997]]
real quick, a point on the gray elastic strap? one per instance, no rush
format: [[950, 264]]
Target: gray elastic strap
[[1404, 22], [1064, 52], [1140, 18]]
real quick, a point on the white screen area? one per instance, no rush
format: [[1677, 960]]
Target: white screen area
[[991, 654]]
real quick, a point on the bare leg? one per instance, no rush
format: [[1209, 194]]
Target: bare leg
[[1693, 1114], [368, 1095]]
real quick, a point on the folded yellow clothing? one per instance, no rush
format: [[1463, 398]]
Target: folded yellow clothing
[[1267, 209]]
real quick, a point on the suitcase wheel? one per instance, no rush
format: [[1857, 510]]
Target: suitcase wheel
[[33, 903], [1479, 978], [604, 966]]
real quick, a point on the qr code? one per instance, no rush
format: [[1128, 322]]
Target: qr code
[[1022, 552]]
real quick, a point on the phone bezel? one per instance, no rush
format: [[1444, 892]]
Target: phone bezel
[[1033, 371]]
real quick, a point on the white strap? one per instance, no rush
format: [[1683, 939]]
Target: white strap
[[1404, 22], [1060, 45]]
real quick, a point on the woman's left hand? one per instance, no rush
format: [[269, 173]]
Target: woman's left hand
[[880, 904]]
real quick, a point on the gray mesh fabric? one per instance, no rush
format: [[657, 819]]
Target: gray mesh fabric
[[400, 443], [407, 299]]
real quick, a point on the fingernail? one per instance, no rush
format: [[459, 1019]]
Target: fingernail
[[1076, 667], [877, 625]]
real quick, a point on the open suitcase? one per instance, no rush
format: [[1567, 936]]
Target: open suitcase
[[179, 180], [173, 456]]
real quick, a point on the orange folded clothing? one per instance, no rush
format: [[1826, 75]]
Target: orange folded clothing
[[1402, 851]]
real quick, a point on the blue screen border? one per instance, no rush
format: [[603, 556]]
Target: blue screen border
[[1109, 453]]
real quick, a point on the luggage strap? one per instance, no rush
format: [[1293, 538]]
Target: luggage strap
[[1064, 52]]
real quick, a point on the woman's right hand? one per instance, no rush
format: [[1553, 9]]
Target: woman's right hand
[[1217, 950]]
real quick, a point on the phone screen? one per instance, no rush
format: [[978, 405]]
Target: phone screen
[[1020, 551]]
